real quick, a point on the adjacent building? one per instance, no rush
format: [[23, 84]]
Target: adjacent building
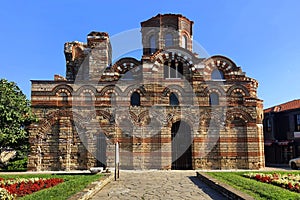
[[170, 109], [282, 132]]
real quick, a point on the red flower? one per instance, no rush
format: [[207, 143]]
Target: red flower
[[257, 177], [22, 188]]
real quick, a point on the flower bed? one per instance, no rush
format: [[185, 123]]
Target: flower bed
[[23, 186], [5, 195], [288, 181]]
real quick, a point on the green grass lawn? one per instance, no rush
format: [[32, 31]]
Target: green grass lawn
[[71, 185], [256, 189]]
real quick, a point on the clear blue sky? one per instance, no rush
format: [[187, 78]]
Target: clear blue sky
[[263, 37]]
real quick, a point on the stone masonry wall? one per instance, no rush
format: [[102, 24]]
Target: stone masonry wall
[[82, 116]]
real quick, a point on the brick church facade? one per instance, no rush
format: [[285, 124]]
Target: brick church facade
[[171, 109]]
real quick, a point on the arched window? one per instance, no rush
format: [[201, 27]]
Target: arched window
[[173, 69], [184, 42], [152, 44], [64, 97], [217, 75], [239, 97], [135, 99], [213, 99], [168, 40], [179, 69], [173, 99]]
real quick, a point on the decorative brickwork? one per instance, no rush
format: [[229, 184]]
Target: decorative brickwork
[[169, 110]]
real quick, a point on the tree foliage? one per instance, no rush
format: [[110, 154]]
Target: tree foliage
[[15, 115]]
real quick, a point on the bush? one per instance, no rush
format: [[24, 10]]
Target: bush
[[17, 165]]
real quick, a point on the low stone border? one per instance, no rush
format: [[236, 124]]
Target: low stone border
[[228, 191], [93, 188]]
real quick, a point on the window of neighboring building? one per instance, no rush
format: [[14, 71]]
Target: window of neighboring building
[[135, 99], [174, 70], [297, 122], [152, 44], [184, 42], [269, 125], [173, 99], [64, 97], [217, 75], [213, 99], [168, 40]]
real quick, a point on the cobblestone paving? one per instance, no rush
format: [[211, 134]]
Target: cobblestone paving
[[157, 185]]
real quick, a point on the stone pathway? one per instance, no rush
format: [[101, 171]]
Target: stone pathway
[[154, 185]]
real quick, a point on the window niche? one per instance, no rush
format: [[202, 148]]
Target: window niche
[[135, 99], [88, 98], [184, 41], [217, 75], [239, 98], [169, 40], [173, 70], [64, 97], [173, 100], [152, 44], [214, 99]]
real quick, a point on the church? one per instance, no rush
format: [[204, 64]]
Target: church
[[170, 109]]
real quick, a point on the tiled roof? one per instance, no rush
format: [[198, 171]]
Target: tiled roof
[[291, 105]]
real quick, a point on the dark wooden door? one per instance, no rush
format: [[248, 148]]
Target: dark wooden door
[[101, 150], [181, 146]]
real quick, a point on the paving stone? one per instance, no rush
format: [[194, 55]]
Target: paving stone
[[152, 185]]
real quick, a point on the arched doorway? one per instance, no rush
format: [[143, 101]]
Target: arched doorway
[[101, 150], [181, 146]]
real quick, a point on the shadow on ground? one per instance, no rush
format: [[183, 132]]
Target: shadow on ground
[[205, 188]]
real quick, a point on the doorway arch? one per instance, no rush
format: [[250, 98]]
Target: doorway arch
[[181, 146]]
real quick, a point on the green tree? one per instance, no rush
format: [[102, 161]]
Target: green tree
[[15, 116]]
